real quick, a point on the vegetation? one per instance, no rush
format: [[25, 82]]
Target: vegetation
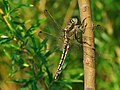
[[29, 59]]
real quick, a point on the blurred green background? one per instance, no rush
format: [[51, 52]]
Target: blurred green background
[[29, 59]]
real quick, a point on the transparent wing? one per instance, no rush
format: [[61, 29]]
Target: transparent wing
[[49, 16], [52, 31], [100, 35], [99, 30], [98, 26], [53, 25]]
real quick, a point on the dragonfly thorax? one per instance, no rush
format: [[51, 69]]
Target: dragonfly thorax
[[71, 25]]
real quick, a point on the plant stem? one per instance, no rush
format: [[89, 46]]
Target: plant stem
[[88, 45]]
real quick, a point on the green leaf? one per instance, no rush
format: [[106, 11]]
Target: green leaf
[[39, 74], [25, 82], [20, 6], [7, 6], [43, 44], [7, 54], [31, 31], [44, 61], [18, 34], [34, 46], [20, 61], [49, 74], [14, 57], [34, 86], [5, 40], [74, 81], [20, 80], [29, 73], [51, 51]]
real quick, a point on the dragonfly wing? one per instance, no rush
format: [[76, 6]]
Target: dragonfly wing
[[54, 40], [51, 30], [52, 20]]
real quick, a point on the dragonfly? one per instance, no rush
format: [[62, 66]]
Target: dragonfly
[[70, 30]]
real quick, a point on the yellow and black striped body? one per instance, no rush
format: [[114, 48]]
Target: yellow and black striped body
[[68, 32]]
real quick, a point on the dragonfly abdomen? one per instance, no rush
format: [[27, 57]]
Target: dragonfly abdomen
[[65, 50], [68, 32]]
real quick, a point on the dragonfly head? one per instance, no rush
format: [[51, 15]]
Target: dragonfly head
[[74, 21]]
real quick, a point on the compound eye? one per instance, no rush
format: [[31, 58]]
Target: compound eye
[[74, 20]]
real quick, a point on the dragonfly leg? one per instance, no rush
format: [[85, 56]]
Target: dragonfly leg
[[77, 38], [83, 26]]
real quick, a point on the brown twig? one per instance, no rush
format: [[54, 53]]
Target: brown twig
[[88, 45]]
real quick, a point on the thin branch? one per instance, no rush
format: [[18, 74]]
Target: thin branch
[[88, 45]]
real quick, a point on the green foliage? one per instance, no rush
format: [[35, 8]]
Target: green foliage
[[24, 49], [31, 60]]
